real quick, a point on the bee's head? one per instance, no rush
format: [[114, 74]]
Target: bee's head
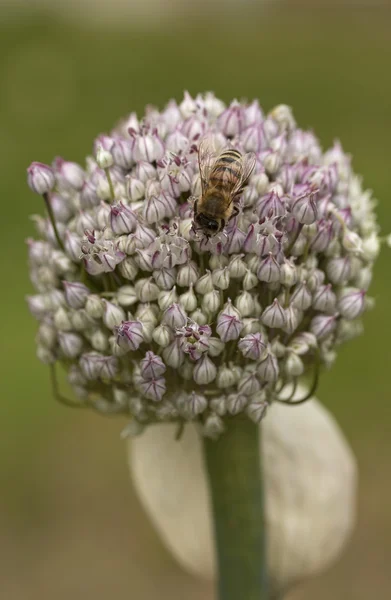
[[209, 225]]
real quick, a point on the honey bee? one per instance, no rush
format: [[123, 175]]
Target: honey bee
[[223, 177]]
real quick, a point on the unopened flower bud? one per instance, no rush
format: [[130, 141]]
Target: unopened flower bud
[[325, 299], [294, 366], [173, 355], [62, 319], [339, 270], [129, 335], [245, 304], [99, 340], [40, 178], [112, 315], [288, 274], [236, 403], [351, 303], [135, 189], [253, 346], [204, 371], [211, 302], [71, 344], [174, 316], [225, 377], [269, 269], [301, 297], [75, 294], [268, 369], [213, 426], [204, 284], [256, 410], [188, 300], [229, 324], [274, 315], [162, 335], [323, 325], [122, 219], [152, 366]]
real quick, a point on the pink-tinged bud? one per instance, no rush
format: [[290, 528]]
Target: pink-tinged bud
[[274, 315], [113, 314], [154, 389], [174, 316], [268, 369], [231, 121], [147, 147], [143, 236], [122, 219], [269, 269], [94, 366], [304, 208], [193, 128], [69, 174], [235, 239], [89, 196], [251, 240], [249, 384], [75, 294], [204, 371], [339, 269], [122, 152], [323, 236], [145, 171], [135, 189], [173, 354], [129, 335], [177, 142], [71, 344], [252, 346], [40, 178], [229, 324], [72, 244], [256, 411], [155, 209], [324, 299], [254, 139], [301, 297], [323, 325], [293, 317], [351, 303], [236, 403], [152, 366], [165, 278], [270, 206]]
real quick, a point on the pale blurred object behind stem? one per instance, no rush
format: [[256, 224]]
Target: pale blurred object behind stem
[[310, 493]]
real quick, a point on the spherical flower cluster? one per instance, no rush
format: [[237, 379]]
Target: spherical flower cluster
[[153, 318]]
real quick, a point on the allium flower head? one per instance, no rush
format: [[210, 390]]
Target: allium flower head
[[153, 318]]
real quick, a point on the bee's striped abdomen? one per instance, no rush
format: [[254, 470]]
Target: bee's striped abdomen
[[228, 163]]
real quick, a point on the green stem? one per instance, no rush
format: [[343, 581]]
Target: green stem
[[53, 221], [236, 490]]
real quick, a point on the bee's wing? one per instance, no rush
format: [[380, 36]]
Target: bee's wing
[[207, 154], [247, 166]]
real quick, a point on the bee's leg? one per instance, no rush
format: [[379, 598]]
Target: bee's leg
[[195, 206]]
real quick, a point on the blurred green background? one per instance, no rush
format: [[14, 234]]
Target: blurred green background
[[71, 526]]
